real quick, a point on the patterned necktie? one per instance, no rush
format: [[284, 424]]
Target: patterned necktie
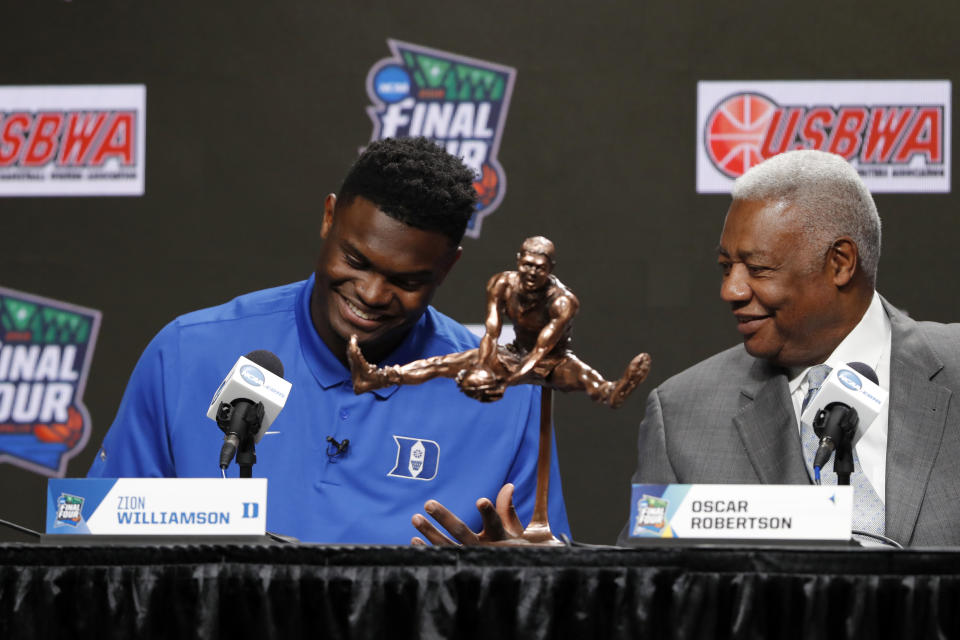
[[815, 378], [868, 509]]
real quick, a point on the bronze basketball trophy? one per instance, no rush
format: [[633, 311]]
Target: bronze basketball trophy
[[542, 310]]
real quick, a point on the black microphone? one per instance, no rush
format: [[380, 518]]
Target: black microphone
[[238, 420], [247, 401], [336, 449], [836, 423]]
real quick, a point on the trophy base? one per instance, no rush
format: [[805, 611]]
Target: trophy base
[[540, 534]]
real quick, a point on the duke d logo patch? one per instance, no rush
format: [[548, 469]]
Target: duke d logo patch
[[417, 458]]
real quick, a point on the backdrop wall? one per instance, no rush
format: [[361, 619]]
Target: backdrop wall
[[254, 111]]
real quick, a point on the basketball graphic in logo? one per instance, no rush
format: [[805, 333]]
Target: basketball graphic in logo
[[735, 131], [67, 433], [486, 186]]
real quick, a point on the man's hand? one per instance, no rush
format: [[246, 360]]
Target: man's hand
[[501, 525]]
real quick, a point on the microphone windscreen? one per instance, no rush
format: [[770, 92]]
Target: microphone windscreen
[[859, 367], [269, 361]]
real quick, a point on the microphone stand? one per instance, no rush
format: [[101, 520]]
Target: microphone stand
[[843, 456], [247, 457], [836, 422], [843, 461]]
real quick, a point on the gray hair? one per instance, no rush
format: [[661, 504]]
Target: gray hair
[[829, 194]]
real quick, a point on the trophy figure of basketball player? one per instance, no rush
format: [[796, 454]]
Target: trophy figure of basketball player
[[542, 310]]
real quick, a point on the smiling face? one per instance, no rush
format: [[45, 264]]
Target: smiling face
[[783, 292], [375, 277]]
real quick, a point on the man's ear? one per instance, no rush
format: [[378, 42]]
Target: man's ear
[[329, 204], [452, 260], [842, 261]]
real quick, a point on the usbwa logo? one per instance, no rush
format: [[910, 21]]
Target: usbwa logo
[[895, 133], [45, 351], [417, 458], [461, 103]]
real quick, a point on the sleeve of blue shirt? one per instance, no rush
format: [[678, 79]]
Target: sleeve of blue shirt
[[137, 443]]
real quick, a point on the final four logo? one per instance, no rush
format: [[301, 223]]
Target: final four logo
[[69, 510], [45, 352], [459, 102], [651, 514]]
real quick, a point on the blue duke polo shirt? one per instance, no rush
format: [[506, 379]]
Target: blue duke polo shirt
[[468, 449]]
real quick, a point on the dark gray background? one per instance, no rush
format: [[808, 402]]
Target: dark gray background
[[255, 110]]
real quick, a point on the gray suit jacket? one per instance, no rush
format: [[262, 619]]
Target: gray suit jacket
[[729, 419]]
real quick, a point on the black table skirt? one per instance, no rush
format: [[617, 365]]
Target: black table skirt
[[291, 591]]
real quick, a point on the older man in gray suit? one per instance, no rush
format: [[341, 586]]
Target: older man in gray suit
[[798, 257]]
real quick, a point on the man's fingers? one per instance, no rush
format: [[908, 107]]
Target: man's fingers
[[450, 522], [429, 532], [492, 525]]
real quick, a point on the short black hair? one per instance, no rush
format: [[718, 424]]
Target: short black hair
[[415, 181]]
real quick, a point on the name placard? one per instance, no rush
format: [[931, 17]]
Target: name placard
[[157, 506], [739, 511]]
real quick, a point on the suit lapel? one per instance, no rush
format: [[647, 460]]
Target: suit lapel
[[767, 425], [918, 411]]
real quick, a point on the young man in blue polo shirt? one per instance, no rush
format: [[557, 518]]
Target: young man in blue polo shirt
[[391, 235]]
